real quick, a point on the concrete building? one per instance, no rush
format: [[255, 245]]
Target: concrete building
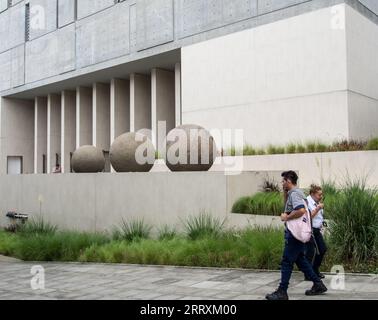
[[77, 72]]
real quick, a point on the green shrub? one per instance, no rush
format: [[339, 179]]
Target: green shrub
[[249, 151], [61, 246], [291, 148], [260, 152], [275, 150], [311, 147], [203, 225], [241, 205], [321, 147], [266, 203], [134, 229], [8, 243], [251, 248], [372, 144], [166, 233], [262, 203], [301, 148], [354, 224], [38, 225]]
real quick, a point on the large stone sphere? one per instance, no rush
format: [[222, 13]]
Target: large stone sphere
[[88, 159], [132, 152], [190, 148]]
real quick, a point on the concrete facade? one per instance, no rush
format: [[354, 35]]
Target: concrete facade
[[266, 67]]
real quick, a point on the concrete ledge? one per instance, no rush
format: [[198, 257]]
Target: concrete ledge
[[312, 167], [237, 220]]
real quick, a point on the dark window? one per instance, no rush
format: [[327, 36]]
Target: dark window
[[44, 166], [27, 22]]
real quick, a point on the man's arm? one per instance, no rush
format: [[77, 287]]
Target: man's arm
[[293, 215]]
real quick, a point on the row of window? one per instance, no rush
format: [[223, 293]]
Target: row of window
[[31, 14]]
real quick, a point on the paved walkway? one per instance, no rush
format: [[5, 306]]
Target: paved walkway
[[132, 282]]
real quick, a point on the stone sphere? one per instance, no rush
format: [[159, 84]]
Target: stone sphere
[[87, 159], [132, 152], [190, 148]]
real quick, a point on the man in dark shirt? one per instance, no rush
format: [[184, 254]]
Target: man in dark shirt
[[294, 251]]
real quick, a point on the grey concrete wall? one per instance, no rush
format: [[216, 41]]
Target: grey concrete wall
[[89, 7], [159, 198], [163, 103], [17, 132], [103, 36], [66, 12], [140, 102], [196, 16], [40, 133], [101, 116], [155, 23], [43, 17], [54, 122], [119, 108], [51, 54], [3, 5], [68, 127], [371, 5], [84, 116], [12, 27], [12, 68], [131, 29]]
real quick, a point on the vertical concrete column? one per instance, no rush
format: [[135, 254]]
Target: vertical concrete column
[[140, 102], [101, 116], [84, 116], [178, 94], [40, 134], [119, 108], [162, 104], [68, 127], [53, 131]]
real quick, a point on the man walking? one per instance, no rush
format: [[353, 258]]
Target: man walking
[[294, 251]]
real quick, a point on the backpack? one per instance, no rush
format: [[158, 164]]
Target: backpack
[[301, 228]]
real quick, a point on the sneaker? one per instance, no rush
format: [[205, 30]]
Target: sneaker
[[321, 275], [279, 294], [317, 289]]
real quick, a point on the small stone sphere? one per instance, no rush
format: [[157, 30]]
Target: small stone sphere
[[88, 159], [196, 145], [132, 152]]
